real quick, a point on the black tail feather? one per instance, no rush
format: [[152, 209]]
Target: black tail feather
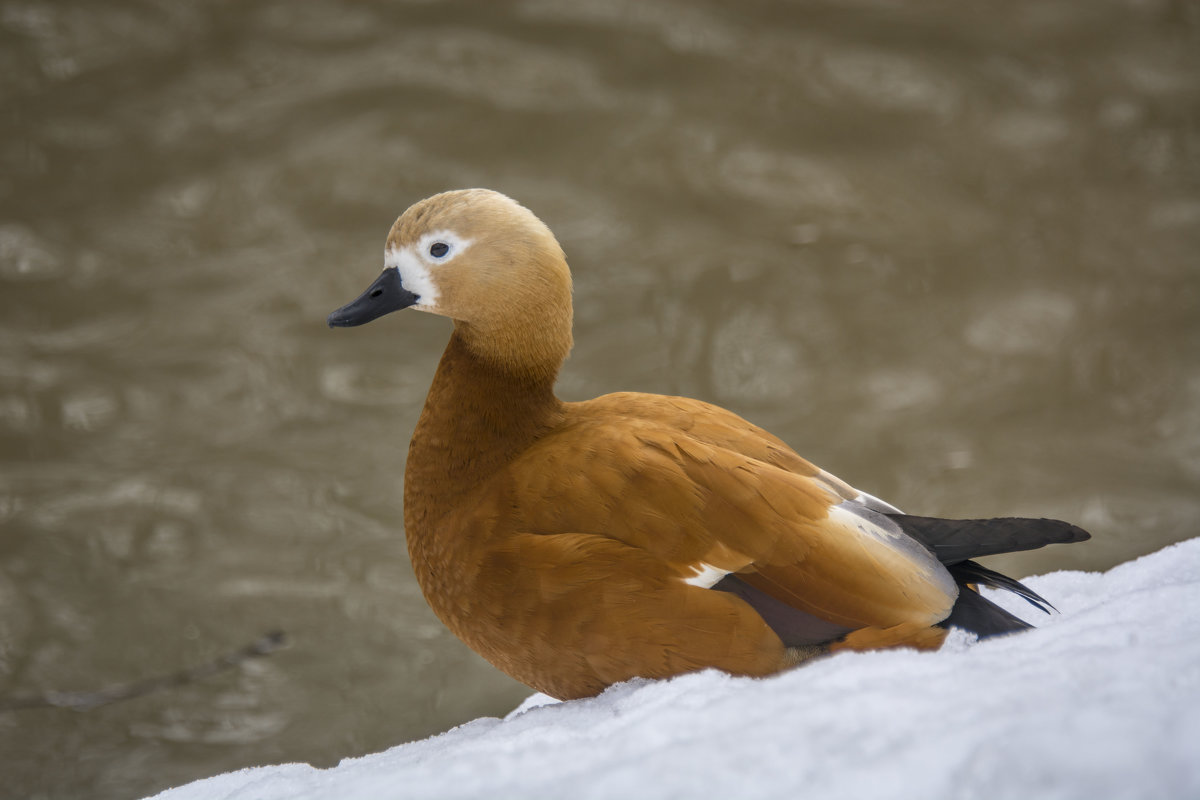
[[970, 572], [974, 612], [956, 540], [977, 614]]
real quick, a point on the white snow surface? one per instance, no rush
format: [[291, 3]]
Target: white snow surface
[[1102, 700]]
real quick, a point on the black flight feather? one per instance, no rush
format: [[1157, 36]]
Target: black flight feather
[[977, 614], [969, 572], [953, 541]]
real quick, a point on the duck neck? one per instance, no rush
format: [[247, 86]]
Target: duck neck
[[478, 416]]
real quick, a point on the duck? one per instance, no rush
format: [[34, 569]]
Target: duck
[[576, 545]]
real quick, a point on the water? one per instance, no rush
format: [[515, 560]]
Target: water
[[950, 252]]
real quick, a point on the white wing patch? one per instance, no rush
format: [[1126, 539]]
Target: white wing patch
[[707, 576], [875, 504], [839, 490], [876, 530]]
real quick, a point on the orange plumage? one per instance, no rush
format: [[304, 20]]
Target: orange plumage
[[575, 545]]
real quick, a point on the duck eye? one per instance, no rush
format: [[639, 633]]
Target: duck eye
[[438, 249]]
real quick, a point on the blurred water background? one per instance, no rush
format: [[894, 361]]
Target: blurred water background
[[948, 250]]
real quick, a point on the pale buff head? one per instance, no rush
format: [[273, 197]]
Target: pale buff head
[[486, 262]]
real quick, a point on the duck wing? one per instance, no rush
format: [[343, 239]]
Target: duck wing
[[728, 506], [707, 511]]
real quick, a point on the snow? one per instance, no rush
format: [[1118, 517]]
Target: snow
[[1102, 700]]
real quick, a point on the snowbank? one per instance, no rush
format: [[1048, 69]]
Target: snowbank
[[1102, 700]]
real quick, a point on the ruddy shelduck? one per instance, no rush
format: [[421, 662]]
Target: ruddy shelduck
[[578, 544]]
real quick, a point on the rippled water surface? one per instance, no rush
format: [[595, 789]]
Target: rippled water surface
[[950, 251]]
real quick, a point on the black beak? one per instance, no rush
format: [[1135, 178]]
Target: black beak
[[385, 295]]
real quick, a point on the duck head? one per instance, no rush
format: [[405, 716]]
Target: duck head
[[486, 262]]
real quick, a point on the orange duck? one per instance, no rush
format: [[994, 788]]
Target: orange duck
[[576, 545]]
